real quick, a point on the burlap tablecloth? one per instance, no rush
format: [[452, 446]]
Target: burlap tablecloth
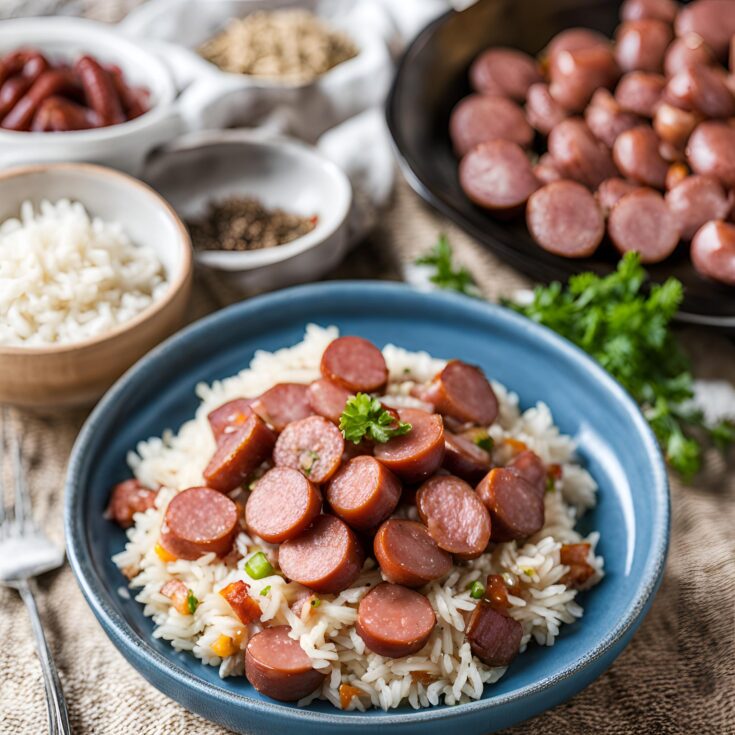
[[676, 676]]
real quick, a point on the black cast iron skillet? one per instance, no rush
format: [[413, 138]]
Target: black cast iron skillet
[[432, 77]]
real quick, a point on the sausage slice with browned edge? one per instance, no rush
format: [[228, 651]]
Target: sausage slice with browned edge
[[636, 154], [408, 555], [575, 75], [354, 363], [327, 557], [282, 504], [641, 221], [394, 621], [463, 392], [665, 10], [464, 458], [611, 191], [564, 218], [696, 201], [455, 516], [542, 110], [327, 399], [640, 45], [701, 88], [198, 521], [229, 416], [313, 446], [578, 153], [239, 453], [127, 499], [713, 252], [532, 468], [711, 150], [277, 666], [674, 125], [711, 20], [364, 492], [607, 119], [282, 404], [506, 72], [497, 175], [480, 118], [639, 92], [515, 505], [494, 638], [572, 39], [689, 50], [418, 454]]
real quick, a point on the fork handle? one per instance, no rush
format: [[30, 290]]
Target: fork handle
[[58, 716]]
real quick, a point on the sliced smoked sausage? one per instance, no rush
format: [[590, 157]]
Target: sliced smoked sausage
[[641, 221], [455, 516], [665, 10], [313, 446], [542, 110], [408, 555], [282, 404], [364, 492], [712, 20], [394, 621], [505, 72], [463, 392], [640, 45], [564, 218], [515, 505], [677, 172], [282, 505], [637, 156], [239, 453], [198, 521], [607, 119], [327, 399], [711, 150], [674, 125], [229, 416], [480, 118], [546, 170], [640, 92], [354, 363], [494, 638], [127, 499], [611, 191], [497, 175], [573, 39], [464, 458], [713, 252], [689, 50], [703, 89], [575, 75], [418, 454], [696, 201], [327, 557], [578, 154], [532, 468], [277, 666]]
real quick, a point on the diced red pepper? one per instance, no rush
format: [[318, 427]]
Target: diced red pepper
[[346, 693], [238, 597], [554, 471]]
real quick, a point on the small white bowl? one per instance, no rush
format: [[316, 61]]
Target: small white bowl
[[280, 172]]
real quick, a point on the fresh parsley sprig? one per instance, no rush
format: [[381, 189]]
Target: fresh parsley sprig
[[446, 275], [365, 417]]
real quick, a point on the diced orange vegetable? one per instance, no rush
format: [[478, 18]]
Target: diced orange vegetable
[[515, 444], [178, 593], [346, 692], [496, 593], [554, 471], [224, 646], [245, 607], [423, 677], [575, 557], [163, 554]]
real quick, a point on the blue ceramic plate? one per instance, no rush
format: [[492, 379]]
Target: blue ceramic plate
[[614, 443]]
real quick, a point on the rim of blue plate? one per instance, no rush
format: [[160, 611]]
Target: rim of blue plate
[[117, 627]]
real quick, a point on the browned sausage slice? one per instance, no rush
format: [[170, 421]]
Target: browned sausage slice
[[674, 125], [463, 392], [455, 516], [676, 174], [327, 557], [641, 221], [712, 20], [239, 453], [197, 521], [713, 252], [564, 218], [229, 416], [607, 119], [464, 458], [515, 505], [498, 176], [282, 504], [506, 72], [127, 499], [703, 89], [327, 399], [578, 154], [575, 75], [354, 363], [418, 454], [542, 110], [277, 666], [611, 191], [531, 468], [364, 492], [480, 118], [636, 154], [711, 150], [640, 45], [313, 446], [282, 404], [546, 170], [394, 621], [689, 50], [574, 39], [494, 638], [640, 92], [696, 201], [665, 10], [408, 555]]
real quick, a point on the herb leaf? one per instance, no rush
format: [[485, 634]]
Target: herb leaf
[[446, 276], [192, 603], [364, 416]]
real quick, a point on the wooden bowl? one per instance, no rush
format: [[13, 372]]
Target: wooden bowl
[[77, 373]]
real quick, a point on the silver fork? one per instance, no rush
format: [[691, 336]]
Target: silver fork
[[24, 554]]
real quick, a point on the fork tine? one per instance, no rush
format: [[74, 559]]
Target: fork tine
[[23, 511]]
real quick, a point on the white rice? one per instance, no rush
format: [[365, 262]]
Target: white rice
[[66, 277], [327, 632]]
